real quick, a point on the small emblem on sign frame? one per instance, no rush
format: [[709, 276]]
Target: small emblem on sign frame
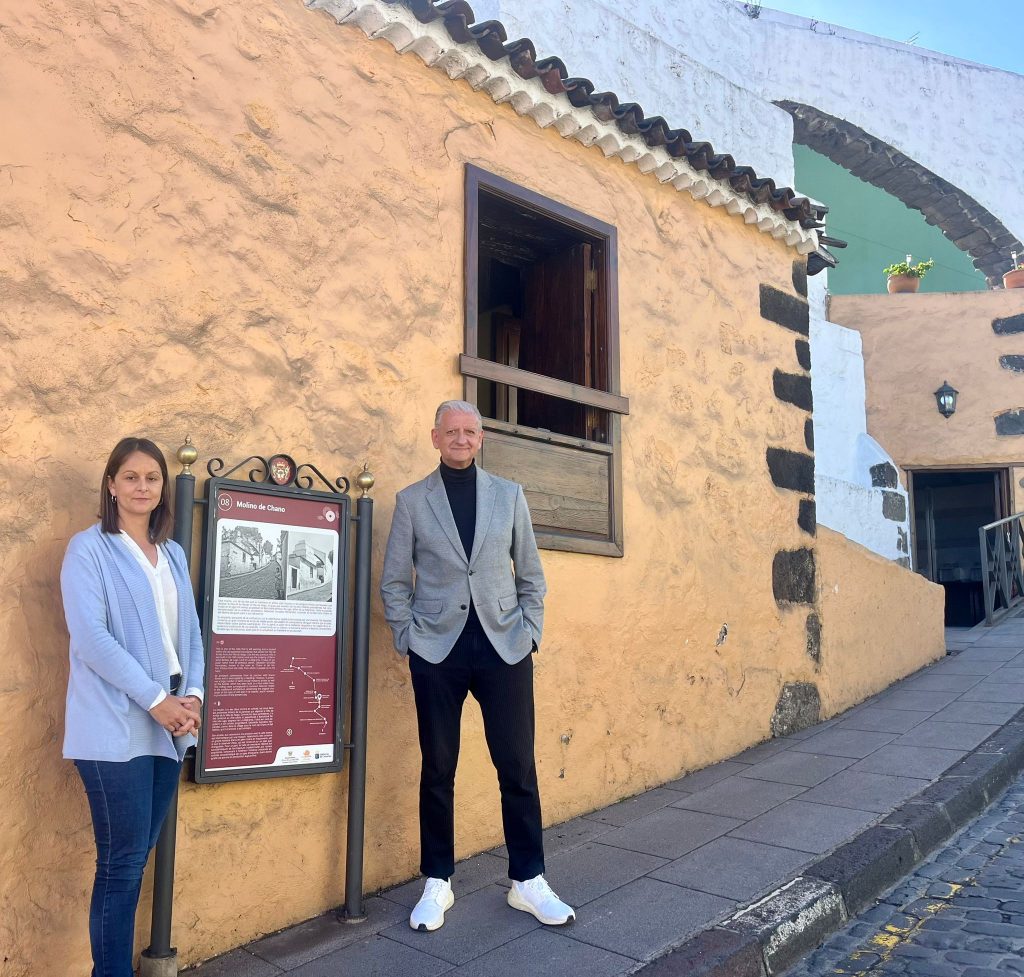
[[282, 470]]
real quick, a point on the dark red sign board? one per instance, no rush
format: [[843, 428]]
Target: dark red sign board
[[275, 612]]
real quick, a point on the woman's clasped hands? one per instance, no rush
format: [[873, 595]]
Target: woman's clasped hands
[[179, 715]]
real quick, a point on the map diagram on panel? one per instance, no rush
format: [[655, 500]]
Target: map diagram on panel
[[312, 686]]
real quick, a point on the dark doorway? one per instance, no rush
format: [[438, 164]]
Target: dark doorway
[[949, 509]]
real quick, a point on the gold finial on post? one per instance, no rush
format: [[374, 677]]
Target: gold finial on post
[[187, 455], [365, 480]]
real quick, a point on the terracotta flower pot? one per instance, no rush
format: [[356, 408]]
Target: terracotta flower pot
[[903, 283], [1014, 279]]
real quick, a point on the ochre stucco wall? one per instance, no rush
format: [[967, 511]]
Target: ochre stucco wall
[[245, 222], [914, 342], [879, 622]]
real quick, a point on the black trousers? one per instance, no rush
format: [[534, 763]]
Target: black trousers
[[505, 694]]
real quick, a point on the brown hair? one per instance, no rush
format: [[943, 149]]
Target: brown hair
[[161, 519]]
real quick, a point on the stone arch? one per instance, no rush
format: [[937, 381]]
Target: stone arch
[[969, 225]]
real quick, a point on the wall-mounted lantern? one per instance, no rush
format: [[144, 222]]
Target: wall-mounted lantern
[[945, 398]]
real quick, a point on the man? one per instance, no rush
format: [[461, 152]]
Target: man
[[463, 592]]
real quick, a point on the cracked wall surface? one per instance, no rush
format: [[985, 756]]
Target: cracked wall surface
[[245, 223]]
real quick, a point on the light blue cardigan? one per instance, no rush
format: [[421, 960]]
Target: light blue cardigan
[[118, 664]]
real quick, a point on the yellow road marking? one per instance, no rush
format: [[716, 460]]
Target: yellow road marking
[[892, 936]]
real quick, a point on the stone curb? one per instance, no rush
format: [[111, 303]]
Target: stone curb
[[767, 936]]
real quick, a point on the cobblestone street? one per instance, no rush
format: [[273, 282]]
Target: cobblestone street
[[263, 584], [961, 914]]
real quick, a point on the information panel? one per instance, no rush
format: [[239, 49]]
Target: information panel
[[274, 601]]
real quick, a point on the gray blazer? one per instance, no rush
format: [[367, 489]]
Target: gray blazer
[[428, 580]]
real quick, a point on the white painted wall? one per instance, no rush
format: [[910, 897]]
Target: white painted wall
[[958, 118], [843, 450], [631, 51]]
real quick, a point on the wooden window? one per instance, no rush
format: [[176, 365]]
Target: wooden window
[[542, 358]]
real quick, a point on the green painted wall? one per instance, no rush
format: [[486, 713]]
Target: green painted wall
[[880, 231]]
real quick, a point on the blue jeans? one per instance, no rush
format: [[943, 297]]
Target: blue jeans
[[129, 802]]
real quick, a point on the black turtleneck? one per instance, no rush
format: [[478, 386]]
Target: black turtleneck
[[460, 486]]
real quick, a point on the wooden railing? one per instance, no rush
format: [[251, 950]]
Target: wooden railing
[[1002, 578]]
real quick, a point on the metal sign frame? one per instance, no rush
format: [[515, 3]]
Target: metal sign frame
[[276, 477]]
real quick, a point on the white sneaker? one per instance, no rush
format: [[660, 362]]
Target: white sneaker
[[535, 896], [437, 899]]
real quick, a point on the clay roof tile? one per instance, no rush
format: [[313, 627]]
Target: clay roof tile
[[491, 37]]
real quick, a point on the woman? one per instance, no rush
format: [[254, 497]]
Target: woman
[[135, 644]]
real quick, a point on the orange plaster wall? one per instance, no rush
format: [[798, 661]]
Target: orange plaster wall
[[245, 222], [914, 342], [880, 622]]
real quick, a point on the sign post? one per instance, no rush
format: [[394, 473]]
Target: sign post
[[353, 908], [160, 959]]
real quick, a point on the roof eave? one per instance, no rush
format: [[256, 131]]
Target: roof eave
[[417, 26]]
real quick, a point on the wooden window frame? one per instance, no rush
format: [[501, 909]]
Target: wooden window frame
[[474, 368]]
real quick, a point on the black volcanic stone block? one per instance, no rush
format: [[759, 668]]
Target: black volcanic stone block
[[960, 797], [807, 517], [712, 953], [794, 576], [1010, 423], [865, 867], [814, 637], [800, 277], [894, 506], [1001, 327], [791, 470], [928, 822], [809, 433], [1013, 362], [992, 772], [792, 388], [884, 475], [785, 310], [791, 921], [798, 707], [803, 353]]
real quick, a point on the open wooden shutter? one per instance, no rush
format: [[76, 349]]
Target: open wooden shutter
[[556, 337]]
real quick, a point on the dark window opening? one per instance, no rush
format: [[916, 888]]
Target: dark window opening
[[541, 358], [542, 307]]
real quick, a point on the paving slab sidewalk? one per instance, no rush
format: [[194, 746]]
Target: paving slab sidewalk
[[731, 871]]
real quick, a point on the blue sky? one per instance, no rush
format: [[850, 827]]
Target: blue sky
[[988, 31]]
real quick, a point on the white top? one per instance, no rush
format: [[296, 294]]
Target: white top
[[165, 595]]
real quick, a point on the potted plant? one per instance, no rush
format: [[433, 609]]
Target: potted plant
[[905, 276], [1015, 277]]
